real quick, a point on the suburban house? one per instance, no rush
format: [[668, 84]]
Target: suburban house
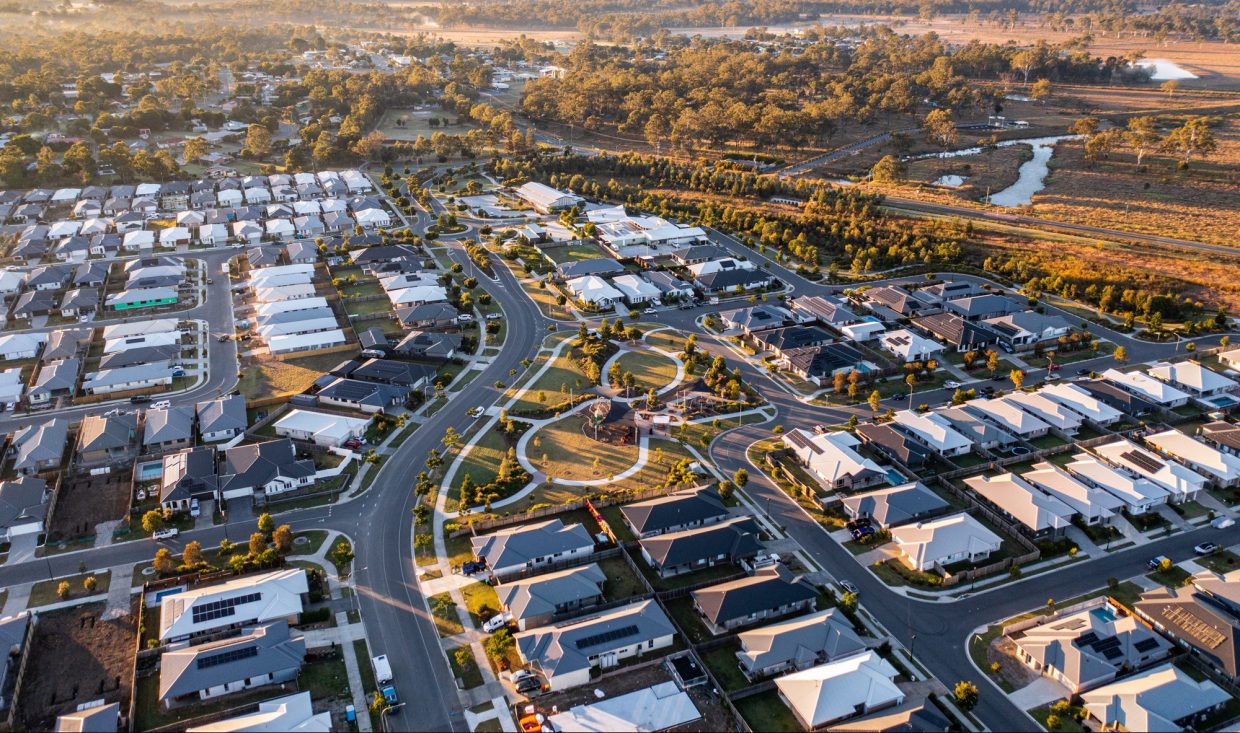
[[1008, 417], [635, 290], [798, 643], [897, 505], [891, 302], [1041, 515], [779, 341], [597, 266], [826, 310], [1182, 482], [687, 509], [321, 428], [733, 280], [168, 429], [938, 542], [15, 346], [405, 374], [262, 655], [1203, 617], [894, 444], [98, 718], [934, 431], [107, 439], [769, 593], [294, 713], [844, 688], [429, 345], [1164, 698], [755, 318], [1211, 389], [371, 397], [832, 460], [1138, 494], [983, 434], [1051, 412], [908, 346], [1222, 435], [1081, 402], [188, 475], [272, 467], [127, 379], [566, 654], [540, 600], [676, 553], [593, 290], [982, 307], [1092, 504], [1026, 329], [39, 447], [1120, 399], [1089, 647], [1147, 388], [221, 419], [23, 507], [820, 364], [242, 601], [515, 550], [1220, 468], [956, 332]]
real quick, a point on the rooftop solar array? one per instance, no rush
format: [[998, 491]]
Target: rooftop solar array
[[594, 640], [220, 609], [232, 655]]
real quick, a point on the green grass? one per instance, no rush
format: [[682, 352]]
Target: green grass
[[650, 370], [685, 616], [481, 602], [615, 520], [727, 670], [1067, 724], [1222, 561], [1173, 577], [574, 253], [44, 591], [468, 673], [553, 384], [343, 570], [572, 455], [482, 462], [325, 677], [317, 538], [366, 307], [621, 581], [444, 611], [766, 712], [319, 362], [362, 654]]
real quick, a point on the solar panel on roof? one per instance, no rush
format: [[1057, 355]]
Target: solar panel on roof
[[1086, 639], [606, 636], [232, 655], [1142, 461], [1146, 645], [1206, 636], [1112, 653]]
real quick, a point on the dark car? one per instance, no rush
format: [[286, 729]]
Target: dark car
[[140, 399], [1083, 372], [473, 566]]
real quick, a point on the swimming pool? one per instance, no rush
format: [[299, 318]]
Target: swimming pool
[[150, 471]]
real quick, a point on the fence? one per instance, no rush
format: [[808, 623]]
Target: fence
[[600, 501], [571, 562], [27, 641]]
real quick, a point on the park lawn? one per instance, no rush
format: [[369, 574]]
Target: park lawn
[[570, 454], [316, 537], [361, 308], [893, 388], [481, 602], [654, 473], [650, 370], [574, 253], [481, 463], [668, 340], [44, 591], [444, 612], [268, 379], [321, 363], [544, 298], [563, 374]]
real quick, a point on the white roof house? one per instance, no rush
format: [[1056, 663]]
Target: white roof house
[[723, 263], [371, 218], [138, 328], [263, 310], [244, 601], [909, 346], [62, 229], [307, 325], [322, 428], [864, 330], [1081, 402], [21, 345], [11, 386], [1143, 385], [284, 292], [847, 687], [594, 290], [935, 431], [173, 236], [1193, 378], [636, 289], [1161, 699], [944, 541], [305, 341], [1047, 410], [280, 228], [213, 233], [258, 276], [1230, 358], [1008, 416], [1042, 514], [247, 231], [1138, 494], [418, 295], [139, 239], [1183, 482], [125, 343], [831, 458], [545, 198], [1093, 504], [279, 281], [289, 714], [1222, 468], [659, 707], [11, 281]]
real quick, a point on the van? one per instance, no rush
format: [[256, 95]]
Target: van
[[383, 670], [165, 534]]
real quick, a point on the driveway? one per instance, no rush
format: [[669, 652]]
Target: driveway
[[1041, 691], [22, 548]]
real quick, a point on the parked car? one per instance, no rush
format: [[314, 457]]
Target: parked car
[[210, 281], [849, 587], [951, 384], [165, 534], [1052, 377], [222, 339], [494, 316], [1205, 548], [352, 444], [465, 318], [1083, 372], [161, 405], [140, 399], [469, 567], [194, 508], [496, 622], [1223, 523], [474, 412], [1155, 563], [649, 310]]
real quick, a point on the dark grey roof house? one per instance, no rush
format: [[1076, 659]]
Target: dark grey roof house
[[769, 593], [39, 446], [189, 474], [271, 466], [222, 418], [729, 541], [168, 429], [262, 655], [364, 396], [897, 505], [681, 510]]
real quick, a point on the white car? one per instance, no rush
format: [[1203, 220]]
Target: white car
[[1223, 523], [465, 318], [165, 534], [194, 508], [650, 310], [494, 316], [474, 412], [161, 405], [497, 622], [951, 384]]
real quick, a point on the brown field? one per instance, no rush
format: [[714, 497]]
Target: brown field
[[76, 657], [87, 501]]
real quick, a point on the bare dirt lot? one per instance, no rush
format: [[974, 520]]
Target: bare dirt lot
[[87, 501], [76, 657]]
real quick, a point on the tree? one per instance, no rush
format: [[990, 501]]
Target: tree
[[258, 543], [195, 149], [1100, 145], [152, 521], [1017, 377], [226, 546], [1086, 126], [62, 590], [257, 142], [1171, 86], [875, 400], [848, 601], [940, 127], [499, 644], [266, 524], [343, 554], [283, 538], [1053, 722], [163, 563], [741, 477], [377, 702], [992, 361], [1041, 90], [1120, 354], [1142, 136], [90, 583], [192, 555], [889, 169], [1192, 138], [965, 695]]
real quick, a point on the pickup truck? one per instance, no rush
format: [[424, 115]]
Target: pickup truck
[[389, 694]]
